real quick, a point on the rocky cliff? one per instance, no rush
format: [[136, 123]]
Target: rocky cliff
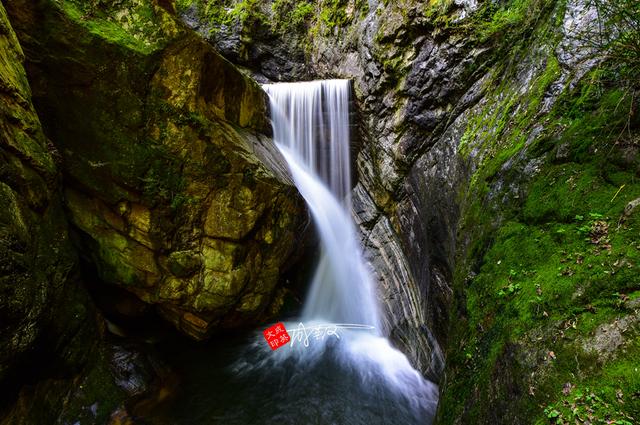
[[43, 309], [134, 156], [48, 326], [497, 186], [174, 189], [497, 191]]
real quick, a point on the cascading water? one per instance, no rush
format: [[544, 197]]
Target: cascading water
[[354, 378], [311, 129]]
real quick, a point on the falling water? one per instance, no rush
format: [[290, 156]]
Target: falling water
[[311, 128]]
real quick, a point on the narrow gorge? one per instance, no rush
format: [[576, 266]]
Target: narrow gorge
[[436, 201]]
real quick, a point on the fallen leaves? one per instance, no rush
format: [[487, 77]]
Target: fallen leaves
[[599, 235]]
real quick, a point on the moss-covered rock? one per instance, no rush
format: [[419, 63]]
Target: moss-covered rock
[[547, 261], [176, 192], [47, 326], [37, 260], [550, 271]]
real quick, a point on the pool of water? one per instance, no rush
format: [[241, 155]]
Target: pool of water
[[338, 381]]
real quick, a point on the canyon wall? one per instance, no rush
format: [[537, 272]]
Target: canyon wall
[[497, 181]]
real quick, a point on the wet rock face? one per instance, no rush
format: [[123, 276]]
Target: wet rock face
[[408, 81], [42, 306], [175, 191], [254, 45]]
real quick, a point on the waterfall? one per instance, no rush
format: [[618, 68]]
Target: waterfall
[[311, 129]]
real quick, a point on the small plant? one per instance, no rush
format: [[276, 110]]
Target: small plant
[[509, 290], [163, 184], [585, 406], [616, 39], [585, 229], [551, 413]]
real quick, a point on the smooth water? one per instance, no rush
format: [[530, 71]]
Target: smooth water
[[311, 129], [348, 376]]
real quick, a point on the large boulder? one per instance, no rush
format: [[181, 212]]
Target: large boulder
[[176, 192]]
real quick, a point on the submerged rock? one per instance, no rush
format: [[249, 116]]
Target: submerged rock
[[174, 189]]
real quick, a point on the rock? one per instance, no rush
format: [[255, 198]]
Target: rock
[[175, 191], [253, 43], [116, 375], [630, 208], [610, 337], [43, 308]]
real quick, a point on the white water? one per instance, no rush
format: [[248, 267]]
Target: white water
[[311, 129]]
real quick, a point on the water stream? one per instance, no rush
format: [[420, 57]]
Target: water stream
[[311, 129], [350, 376]]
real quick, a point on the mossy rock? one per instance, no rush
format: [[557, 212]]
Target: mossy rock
[[43, 308], [550, 268], [164, 151]]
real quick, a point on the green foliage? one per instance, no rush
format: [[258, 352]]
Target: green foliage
[[164, 184], [292, 15], [618, 36], [231, 12]]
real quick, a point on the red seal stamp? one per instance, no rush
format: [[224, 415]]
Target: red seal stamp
[[276, 336]]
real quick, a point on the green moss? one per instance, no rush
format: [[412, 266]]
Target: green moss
[[229, 12], [609, 396], [138, 28], [184, 5], [549, 279], [291, 15], [502, 131], [96, 395], [548, 264]]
